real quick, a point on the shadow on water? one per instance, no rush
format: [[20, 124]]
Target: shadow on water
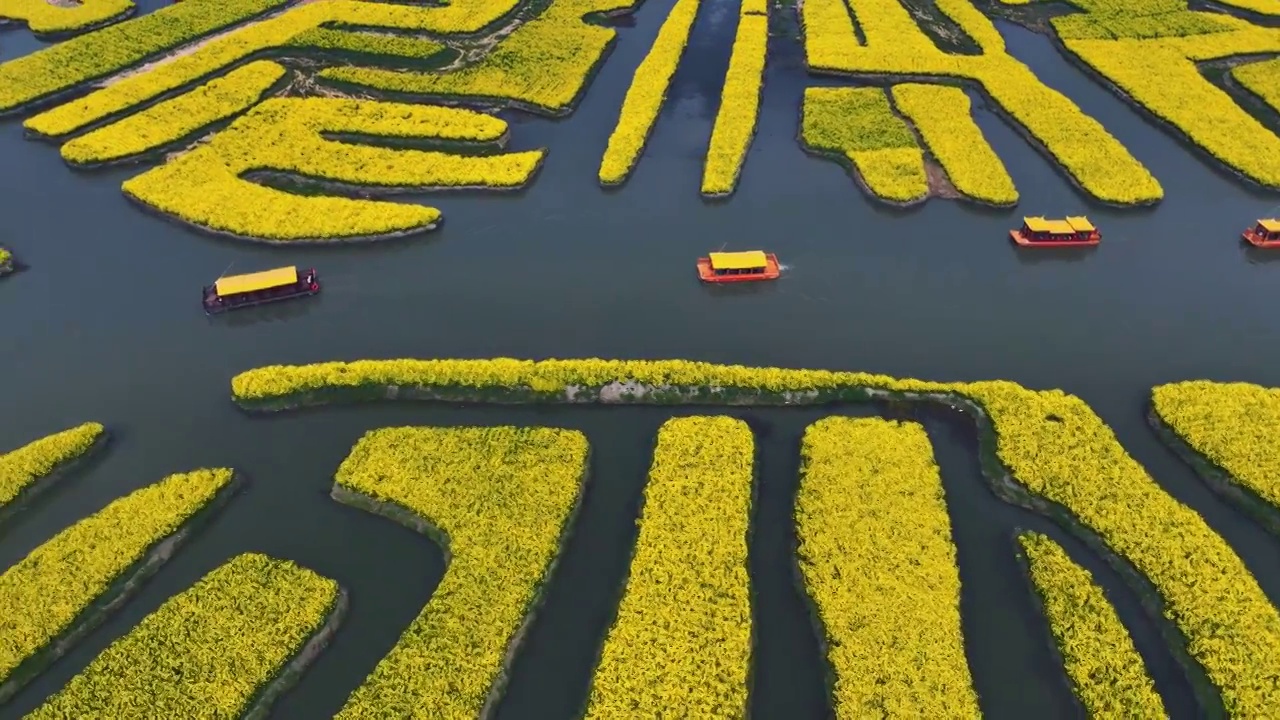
[[1036, 256]]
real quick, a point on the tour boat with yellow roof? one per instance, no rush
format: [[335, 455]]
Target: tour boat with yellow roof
[[239, 291], [1042, 232], [1265, 234], [725, 267]]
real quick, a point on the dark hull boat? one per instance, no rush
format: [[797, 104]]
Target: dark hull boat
[[242, 291]]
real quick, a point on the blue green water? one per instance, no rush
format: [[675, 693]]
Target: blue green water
[[106, 325]]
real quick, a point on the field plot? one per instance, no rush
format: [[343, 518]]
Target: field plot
[[168, 81], [501, 502]]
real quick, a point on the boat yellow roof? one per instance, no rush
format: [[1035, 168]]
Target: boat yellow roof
[[738, 260], [1270, 224], [1081, 224], [1053, 227], [257, 281]]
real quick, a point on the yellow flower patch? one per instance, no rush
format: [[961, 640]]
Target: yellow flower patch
[[860, 125], [543, 65], [879, 563], [648, 91], [1231, 424], [1053, 445], [205, 187], [682, 635], [207, 651], [498, 499], [1105, 668], [59, 68], [176, 118], [45, 17], [220, 52], [21, 468], [942, 116], [59, 580], [895, 45], [739, 103], [1261, 79], [1156, 65]]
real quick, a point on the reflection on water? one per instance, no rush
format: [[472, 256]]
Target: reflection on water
[[1036, 256]]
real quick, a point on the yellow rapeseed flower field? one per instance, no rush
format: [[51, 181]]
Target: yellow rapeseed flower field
[[544, 64], [1231, 424], [648, 91], [59, 580], [207, 651], [52, 70], [220, 52], [1261, 79], [1154, 59], [682, 635], [1105, 668], [22, 467], [895, 45], [46, 17], [1054, 446], [176, 118], [942, 116], [879, 563], [203, 187], [739, 102], [499, 500], [860, 125]]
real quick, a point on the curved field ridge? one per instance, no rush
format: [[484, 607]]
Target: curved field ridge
[[1105, 668], [880, 566], [1051, 453], [44, 17], [206, 652], [205, 187], [543, 66], [214, 56], [1261, 79], [67, 585], [1152, 57], [896, 45], [176, 118], [22, 470], [499, 501], [739, 101], [682, 635], [859, 125], [648, 91], [943, 117], [1231, 425], [52, 71]]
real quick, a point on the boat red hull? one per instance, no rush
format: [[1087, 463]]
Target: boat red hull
[[1253, 239], [1023, 241], [772, 271]]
